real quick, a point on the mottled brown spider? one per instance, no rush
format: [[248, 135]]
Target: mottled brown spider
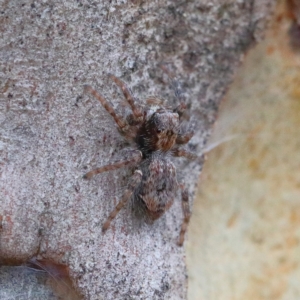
[[154, 130]]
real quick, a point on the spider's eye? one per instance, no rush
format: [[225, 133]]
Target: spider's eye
[[159, 130]]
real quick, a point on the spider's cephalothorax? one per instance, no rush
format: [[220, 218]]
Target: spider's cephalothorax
[[158, 132], [155, 132]]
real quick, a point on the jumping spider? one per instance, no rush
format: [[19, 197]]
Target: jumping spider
[[156, 132]]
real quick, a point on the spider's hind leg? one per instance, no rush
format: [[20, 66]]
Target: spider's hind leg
[[186, 214], [134, 181]]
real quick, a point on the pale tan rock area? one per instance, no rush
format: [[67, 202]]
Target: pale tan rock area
[[244, 236]]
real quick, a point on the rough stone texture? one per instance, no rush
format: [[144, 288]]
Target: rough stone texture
[[25, 282], [51, 133], [244, 238], [30, 285]]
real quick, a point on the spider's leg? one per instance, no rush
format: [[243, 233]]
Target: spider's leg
[[186, 214], [184, 138], [180, 109], [179, 152], [134, 181], [137, 112], [134, 158], [118, 119]]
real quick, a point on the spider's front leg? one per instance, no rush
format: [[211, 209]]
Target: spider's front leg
[[180, 152], [118, 119], [180, 109], [137, 112], [134, 182], [186, 214], [184, 138], [134, 157]]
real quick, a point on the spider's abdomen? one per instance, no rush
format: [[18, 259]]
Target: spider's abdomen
[[158, 187]]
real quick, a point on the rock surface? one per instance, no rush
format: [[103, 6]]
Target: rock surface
[[51, 133]]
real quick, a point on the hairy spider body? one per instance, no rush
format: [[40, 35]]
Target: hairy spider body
[[155, 132], [158, 132], [156, 192]]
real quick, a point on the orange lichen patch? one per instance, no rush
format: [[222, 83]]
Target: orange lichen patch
[[270, 50], [295, 217], [263, 289], [254, 164], [273, 281], [254, 132], [291, 242], [294, 82], [277, 260], [232, 220], [295, 93], [290, 82]]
